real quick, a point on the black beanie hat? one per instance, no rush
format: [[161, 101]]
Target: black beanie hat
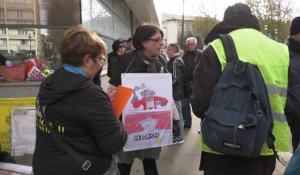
[[295, 26], [236, 10]]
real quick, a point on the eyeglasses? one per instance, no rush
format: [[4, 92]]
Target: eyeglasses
[[101, 59], [122, 47], [156, 39]]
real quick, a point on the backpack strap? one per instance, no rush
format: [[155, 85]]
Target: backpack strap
[[229, 48]]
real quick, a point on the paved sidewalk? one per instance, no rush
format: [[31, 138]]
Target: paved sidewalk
[[183, 159]]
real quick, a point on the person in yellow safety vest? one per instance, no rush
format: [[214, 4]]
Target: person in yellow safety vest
[[272, 59]]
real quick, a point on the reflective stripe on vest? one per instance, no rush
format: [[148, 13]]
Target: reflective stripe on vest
[[277, 90], [273, 62]]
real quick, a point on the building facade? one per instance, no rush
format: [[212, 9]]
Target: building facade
[[19, 12], [36, 27], [172, 25]]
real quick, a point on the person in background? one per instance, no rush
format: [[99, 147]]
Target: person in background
[[118, 47], [292, 109], [72, 114], [244, 29], [176, 67], [190, 58], [4, 61], [146, 58], [129, 45], [181, 53]]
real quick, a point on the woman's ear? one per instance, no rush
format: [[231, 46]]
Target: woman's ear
[[144, 43], [86, 61]]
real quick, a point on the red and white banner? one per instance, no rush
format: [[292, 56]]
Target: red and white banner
[[148, 113]]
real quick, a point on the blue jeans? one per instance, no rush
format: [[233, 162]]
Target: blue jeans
[[181, 121]]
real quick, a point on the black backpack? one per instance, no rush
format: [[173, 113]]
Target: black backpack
[[239, 118]]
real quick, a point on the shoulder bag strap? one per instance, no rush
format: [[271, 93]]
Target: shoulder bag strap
[[86, 164]]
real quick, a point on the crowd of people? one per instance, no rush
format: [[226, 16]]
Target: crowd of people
[[78, 133]]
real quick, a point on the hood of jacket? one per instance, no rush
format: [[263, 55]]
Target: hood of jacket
[[232, 23], [293, 45], [60, 84]]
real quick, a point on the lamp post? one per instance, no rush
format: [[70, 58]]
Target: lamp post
[[29, 37], [182, 23]]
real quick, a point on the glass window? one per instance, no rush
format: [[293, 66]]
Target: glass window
[[22, 32], [58, 12], [97, 17], [3, 41], [2, 31], [119, 9], [23, 42], [108, 3], [19, 14], [119, 28], [1, 13]]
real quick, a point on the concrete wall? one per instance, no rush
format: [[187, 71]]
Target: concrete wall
[[31, 88]]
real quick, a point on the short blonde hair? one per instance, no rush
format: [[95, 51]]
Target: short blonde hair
[[78, 42]]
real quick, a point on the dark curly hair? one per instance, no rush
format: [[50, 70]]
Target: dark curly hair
[[117, 43]]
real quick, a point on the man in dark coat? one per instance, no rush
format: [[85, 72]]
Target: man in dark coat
[[292, 110], [190, 58], [176, 67]]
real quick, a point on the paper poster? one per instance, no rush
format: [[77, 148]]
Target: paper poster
[[148, 130], [23, 131], [148, 114], [151, 91]]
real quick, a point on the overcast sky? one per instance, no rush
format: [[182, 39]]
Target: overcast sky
[[193, 7]]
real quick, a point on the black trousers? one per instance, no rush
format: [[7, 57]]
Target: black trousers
[[295, 130], [150, 167], [186, 112], [213, 164]]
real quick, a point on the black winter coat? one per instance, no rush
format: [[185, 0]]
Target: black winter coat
[[111, 63], [190, 60], [292, 109], [82, 115], [135, 62], [176, 67]]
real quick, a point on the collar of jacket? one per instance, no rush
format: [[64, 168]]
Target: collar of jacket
[[293, 45], [175, 56], [231, 24]]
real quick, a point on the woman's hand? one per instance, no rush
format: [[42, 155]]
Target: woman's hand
[[111, 90]]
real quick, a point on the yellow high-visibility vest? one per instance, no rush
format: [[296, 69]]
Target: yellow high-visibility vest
[[272, 59]]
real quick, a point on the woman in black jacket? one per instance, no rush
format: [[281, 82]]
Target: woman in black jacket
[[76, 129]]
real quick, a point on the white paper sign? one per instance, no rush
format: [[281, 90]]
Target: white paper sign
[[23, 131], [148, 113]]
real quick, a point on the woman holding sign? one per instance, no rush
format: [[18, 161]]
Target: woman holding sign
[[147, 40]]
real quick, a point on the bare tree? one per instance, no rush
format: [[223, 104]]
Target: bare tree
[[204, 24], [274, 16]]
